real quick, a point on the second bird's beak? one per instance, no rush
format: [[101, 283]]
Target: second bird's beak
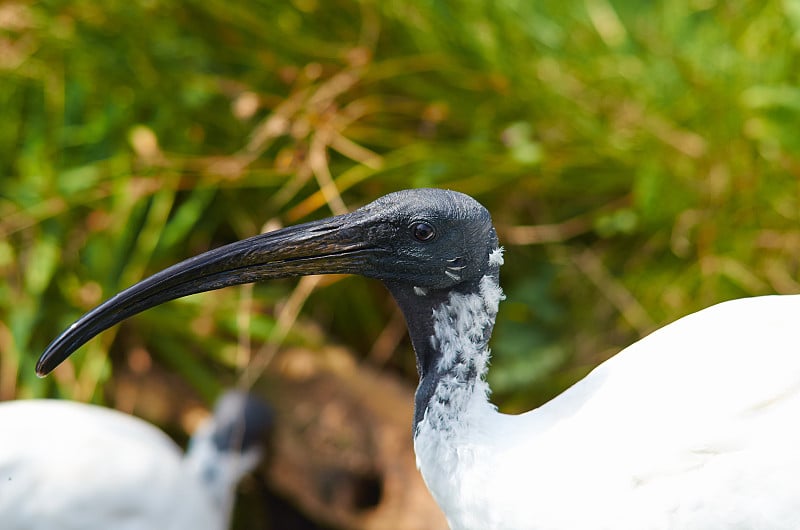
[[330, 246]]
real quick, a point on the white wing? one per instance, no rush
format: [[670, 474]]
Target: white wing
[[694, 427], [73, 466]]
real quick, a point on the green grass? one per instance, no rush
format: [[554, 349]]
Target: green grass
[[661, 138]]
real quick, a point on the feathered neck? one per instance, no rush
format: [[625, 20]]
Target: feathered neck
[[450, 331]]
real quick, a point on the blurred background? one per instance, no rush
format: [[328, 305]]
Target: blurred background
[[641, 160]]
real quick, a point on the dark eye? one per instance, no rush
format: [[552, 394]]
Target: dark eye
[[423, 231]]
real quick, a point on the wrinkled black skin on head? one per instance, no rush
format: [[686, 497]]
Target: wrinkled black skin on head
[[376, 241], [463, 231]]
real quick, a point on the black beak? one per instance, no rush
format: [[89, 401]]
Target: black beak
[[337, 245]]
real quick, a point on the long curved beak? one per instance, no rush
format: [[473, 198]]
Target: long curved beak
[[337, 245]]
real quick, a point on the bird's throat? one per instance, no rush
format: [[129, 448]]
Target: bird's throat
[[450, 334]]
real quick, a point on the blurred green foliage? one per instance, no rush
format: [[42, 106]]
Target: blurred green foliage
[[641, 160]]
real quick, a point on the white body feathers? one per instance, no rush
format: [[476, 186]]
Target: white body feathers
[[692, 427], [73, 466]]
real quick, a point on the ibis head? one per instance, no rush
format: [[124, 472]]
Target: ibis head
[[241, 422], [423, 244], [229, 445]]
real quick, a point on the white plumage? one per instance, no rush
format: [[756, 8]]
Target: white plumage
[[692, 427], [72, 466]]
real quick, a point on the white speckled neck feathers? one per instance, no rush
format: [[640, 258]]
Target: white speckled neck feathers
[[462, 327], [458, 406]]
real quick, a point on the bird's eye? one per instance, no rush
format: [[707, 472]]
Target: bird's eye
[[423, 231]]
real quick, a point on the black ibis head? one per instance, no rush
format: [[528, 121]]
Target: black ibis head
[[241, 422], [422, 243]]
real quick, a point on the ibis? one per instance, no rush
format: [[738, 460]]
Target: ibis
[[75, 466], [693, 427]]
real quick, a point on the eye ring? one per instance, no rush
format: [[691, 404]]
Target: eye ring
[[423, 231]]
